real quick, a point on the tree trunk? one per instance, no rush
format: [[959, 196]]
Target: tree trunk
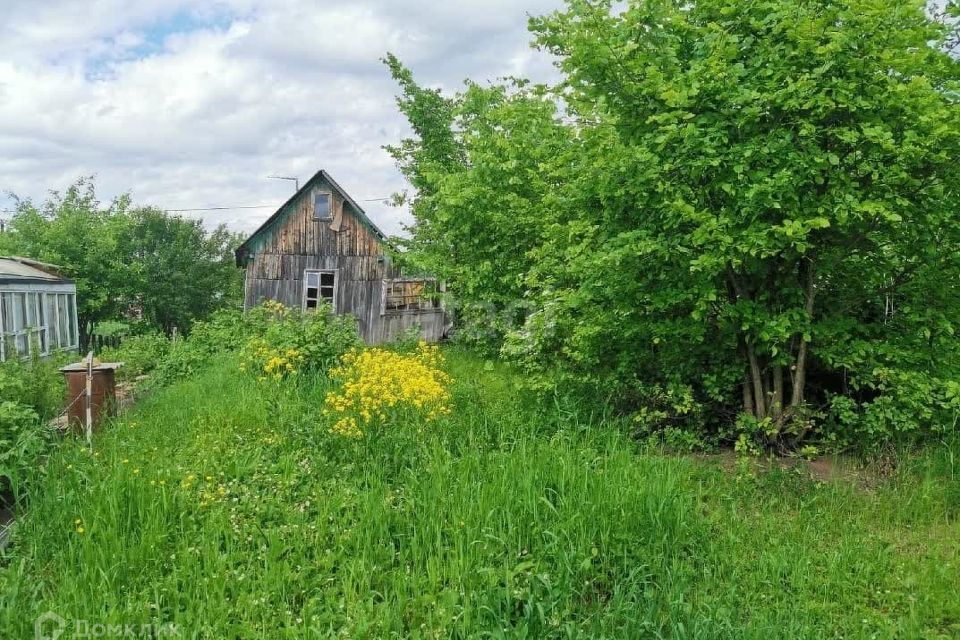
[[800, 374], [748, 407], [756, 374], [776, 403], [85, 329]]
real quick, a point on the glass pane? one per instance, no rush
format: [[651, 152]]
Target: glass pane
[[311, 293], [41, 310], [43, 341], [32, 310], [51, 313], [321, 206], [7, 301], [326, 279], [311, 304], [63, 324], [72, 317], [19, 311], [326, 293], [313, 278]]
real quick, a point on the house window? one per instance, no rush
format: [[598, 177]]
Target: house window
[[410, 295], [319, 286], [321, 207]]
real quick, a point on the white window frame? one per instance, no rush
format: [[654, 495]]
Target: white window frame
[[320, 273], [3, 329], [41, 330], [329, 216], [72, 329], [18, 315], [387, 287]]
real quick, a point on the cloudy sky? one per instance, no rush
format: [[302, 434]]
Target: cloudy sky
[[191, 104]]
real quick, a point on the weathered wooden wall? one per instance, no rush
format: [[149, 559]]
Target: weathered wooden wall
[[298, 242]]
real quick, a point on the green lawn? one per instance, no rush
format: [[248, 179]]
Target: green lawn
[[225, 507]]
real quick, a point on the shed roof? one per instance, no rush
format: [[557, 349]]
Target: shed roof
[[14, 269], [244, 249]]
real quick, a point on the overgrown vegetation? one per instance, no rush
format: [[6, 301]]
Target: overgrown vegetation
[[269, 340], [31, 394], [226, 506], [742, 223]]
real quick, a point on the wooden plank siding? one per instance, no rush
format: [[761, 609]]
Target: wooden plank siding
[[296, 242]]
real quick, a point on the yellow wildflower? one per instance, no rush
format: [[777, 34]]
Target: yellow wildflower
[[375, 381]]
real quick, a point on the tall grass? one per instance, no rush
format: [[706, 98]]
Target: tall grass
[[225, 507]]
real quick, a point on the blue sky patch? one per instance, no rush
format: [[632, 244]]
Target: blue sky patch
[[154, 35]]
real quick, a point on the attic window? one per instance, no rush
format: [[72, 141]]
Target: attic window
[[321, 207], [410, 295], [319, 286]]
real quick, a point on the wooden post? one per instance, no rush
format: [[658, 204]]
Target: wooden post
[[89, 400]]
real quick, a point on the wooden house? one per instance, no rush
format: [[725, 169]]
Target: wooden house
[[38, 309], [320, 246]]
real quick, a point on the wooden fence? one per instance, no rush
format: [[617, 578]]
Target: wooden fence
[[98, 343]]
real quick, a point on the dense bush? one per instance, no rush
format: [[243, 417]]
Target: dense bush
[[37, 384], [23, 440], [166, 360]]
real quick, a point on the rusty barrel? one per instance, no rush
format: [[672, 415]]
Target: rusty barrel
[[103, 397]]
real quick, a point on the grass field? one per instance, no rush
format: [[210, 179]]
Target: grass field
[[223, 506]]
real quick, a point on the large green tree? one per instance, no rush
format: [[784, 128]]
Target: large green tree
[[74, 231], [757, 199], [177, 271], [483, 167]]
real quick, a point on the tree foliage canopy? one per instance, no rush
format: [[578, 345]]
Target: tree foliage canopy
[[750, 204], [127, 260]]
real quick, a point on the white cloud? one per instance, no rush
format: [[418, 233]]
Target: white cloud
[[193, 104]]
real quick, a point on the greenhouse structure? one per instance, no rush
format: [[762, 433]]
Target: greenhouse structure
[[38, 310]]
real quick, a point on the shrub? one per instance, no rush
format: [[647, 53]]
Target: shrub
[[23, 440], [224, 331], [37, 384], [31, 393], [905, 407], [139, 354], [285, 341], [407, 340]]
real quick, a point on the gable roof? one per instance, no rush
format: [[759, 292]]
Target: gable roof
[[244, 249], [14, 269]]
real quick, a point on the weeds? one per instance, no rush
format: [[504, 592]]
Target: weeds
[[223, 505]]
